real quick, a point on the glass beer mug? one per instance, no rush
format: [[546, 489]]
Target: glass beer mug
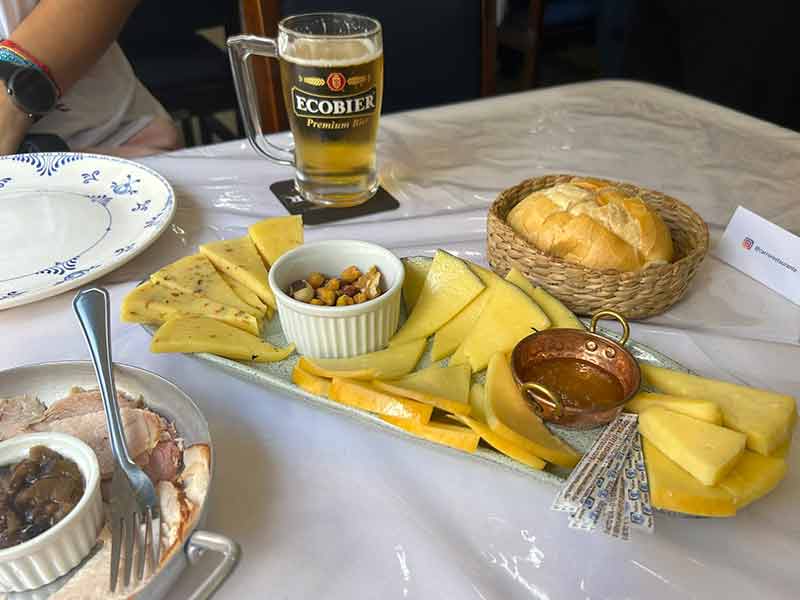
[[332, 75]]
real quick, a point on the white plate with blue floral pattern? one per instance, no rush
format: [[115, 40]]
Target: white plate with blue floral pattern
[[68, 218]]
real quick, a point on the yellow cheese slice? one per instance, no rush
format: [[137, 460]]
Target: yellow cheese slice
[[447, 434], [310, 383], [449, 287], [560, 316], [155, 303], [276, 236], [477, 397], [416, 272], [501, 444], [201, 334], [197, 276], [782, 451], [673, 489], [391, 363], [239, 260], [753, 477], [705, 450], [509, 316], [766, 418], [705, 410], [246, 294], [509, 415], [361, 394], [443, 387], [455, 331]]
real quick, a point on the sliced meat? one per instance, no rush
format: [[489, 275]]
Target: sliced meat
[[174, 514], [142, 432], [82, 402], [196, 475], [17, 413], [163, 462]]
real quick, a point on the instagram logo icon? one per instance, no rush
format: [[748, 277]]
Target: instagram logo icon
[[747, 243]]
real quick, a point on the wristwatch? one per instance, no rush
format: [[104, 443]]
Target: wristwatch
[[29, 89]]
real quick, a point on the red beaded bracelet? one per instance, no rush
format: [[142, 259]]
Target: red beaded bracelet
[[31, 59]]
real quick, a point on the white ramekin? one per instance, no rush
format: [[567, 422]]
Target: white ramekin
[[338, 331], [48, 556]]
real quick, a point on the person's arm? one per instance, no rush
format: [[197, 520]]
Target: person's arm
[[69, 36]]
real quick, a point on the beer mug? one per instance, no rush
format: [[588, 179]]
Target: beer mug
[[332, 75]]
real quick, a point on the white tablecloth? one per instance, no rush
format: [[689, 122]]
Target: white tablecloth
[[326, 507]]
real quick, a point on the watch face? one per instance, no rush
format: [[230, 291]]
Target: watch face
[[33, 91]]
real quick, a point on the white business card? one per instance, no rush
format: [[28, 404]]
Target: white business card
[[764, 251]]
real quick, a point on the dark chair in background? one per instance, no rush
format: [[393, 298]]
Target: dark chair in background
[[434, 52], [188, 74]]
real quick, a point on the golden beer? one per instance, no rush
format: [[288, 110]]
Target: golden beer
[[333, 91]]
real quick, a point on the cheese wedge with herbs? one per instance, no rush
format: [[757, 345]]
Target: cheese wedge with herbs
[[509, 316], [510, 416], [446, 388], [705, 410], [391, 363], [239, 260], [448, 434], [276, 236], [674, 489], [202, 334], [416, 272], [361, 394], [155, 303], [705, 450], [753, 477], [310, 383], [449, 286], [447, 339], [247, 295], [766, 418]]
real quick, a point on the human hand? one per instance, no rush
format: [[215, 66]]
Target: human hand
[[14, 124]]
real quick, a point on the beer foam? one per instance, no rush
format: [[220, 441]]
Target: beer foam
[[330, 52]]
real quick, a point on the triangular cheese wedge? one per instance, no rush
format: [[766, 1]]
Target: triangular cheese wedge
[[391, 363], [239, 260], [673, 489], [501, 444], [361, 394], [447, 434], [449, 287], [196, 275], [705, 450], [753, 477], [560, 316], [155, 303], [416, 272], [276, 236], [447, 339], [705, 410], [310, 383], [201, 334], [766, 418], [509, 316], [247, 295], [509, 415], [446, 388]]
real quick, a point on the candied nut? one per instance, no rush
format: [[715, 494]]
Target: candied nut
[[344, 301], [360, 297], [333, 284], [373, 287], [301, 290], [350, 290], [317, 302], [361, 282], [315, 280], [350, 274], [327, 296]]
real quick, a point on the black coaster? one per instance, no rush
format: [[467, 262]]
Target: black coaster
[[317, 215]]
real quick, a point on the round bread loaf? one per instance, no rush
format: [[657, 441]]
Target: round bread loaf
[[594, 224]]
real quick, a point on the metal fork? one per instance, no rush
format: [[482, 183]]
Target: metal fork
[[133, 497]]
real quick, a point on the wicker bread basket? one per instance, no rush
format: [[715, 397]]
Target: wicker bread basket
[[636, 295]]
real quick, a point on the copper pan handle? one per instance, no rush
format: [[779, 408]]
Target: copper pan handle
[[626, 328], [536, 391]]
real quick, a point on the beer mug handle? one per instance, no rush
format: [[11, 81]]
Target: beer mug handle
[[240, 49]]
